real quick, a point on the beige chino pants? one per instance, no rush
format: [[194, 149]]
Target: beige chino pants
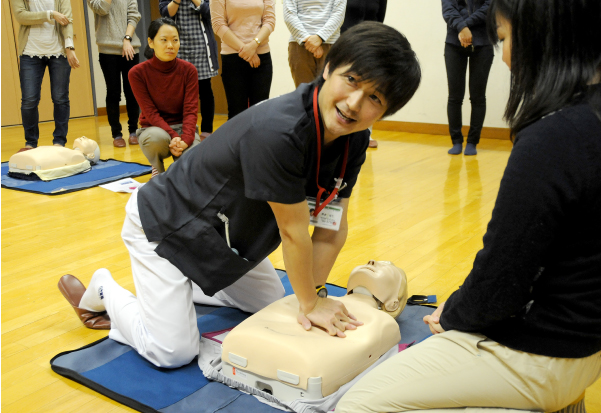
[[456, 369], [155, 141]]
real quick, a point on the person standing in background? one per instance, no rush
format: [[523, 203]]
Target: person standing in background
[[197, 46], [118, 51], [244, 27], [358, 11], [466, 42], [314, 27], [45, 40]]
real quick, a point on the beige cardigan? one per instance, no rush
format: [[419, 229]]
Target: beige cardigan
[[27, 18]]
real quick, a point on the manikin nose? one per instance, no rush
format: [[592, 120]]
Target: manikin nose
[[371, 262]]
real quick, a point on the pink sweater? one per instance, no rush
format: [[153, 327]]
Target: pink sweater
[[243, 17]]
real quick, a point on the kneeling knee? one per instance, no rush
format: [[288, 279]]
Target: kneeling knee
[[175, 357]]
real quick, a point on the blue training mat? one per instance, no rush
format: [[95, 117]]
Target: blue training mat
[[103, 172], [117, 371]]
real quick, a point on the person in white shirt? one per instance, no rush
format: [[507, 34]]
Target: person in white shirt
[[314, 27], [45, 40]]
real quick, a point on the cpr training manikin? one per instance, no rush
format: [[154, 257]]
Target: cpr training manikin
[[271, 355], [53, 162]]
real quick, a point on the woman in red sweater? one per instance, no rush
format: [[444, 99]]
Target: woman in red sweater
[[167, 90]]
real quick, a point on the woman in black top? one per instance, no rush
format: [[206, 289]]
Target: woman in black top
[[524, 330], [466, 43]]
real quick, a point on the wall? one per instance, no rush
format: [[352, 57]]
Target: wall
[[421, 21]]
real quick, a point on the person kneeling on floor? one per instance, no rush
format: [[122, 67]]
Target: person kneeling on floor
[[201, 232]]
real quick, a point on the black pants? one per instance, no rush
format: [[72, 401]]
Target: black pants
[[207, 105], [245, 86], [456, 60], [115, 68]]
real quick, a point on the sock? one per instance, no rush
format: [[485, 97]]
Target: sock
[[456, 149], [470, 149], [93, 298]]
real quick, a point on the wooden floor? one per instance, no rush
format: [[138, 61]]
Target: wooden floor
[[414, 205]]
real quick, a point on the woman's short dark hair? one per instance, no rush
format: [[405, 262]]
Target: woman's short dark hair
[[380, 54], [555, 55], [153, 29]]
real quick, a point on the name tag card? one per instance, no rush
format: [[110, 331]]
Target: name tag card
[[328, 218]]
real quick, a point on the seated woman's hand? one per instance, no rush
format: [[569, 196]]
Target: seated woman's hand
[[177, 146], [433, 320], [331, 315], [248, 50]]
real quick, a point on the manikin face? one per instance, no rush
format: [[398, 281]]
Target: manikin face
[[165, 44], [377, 269], [504, 34], [348, 104]]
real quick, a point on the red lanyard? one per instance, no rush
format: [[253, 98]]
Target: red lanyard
[[318, 204]]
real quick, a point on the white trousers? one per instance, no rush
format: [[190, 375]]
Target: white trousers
[[160, 323], [456, 369]]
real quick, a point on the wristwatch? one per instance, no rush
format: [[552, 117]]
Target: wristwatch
[[256, 39], [70, 47], [322, 291], [127, 37]]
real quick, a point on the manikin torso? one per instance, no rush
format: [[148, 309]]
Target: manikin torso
[[270, 348]]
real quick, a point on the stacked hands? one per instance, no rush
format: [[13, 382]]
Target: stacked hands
[[313, 45], [465, 37], [177, 146], [329, 315], [248, 52], [63, 21]]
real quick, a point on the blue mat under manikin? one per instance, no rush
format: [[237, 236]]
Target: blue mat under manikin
[[103, 172], [118, 372]]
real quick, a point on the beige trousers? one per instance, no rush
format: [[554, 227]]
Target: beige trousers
[[154, 142], [456, 369], [303, 65]]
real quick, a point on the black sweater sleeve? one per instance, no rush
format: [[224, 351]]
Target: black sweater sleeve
[[544, 175]]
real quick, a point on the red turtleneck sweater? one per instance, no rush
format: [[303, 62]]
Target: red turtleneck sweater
[[167, 93]]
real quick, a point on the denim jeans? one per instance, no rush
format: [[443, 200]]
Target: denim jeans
[[115, 69], [456, 60], [31, 73], [245, 86]]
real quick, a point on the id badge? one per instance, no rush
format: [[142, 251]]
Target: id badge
[[329, 217]]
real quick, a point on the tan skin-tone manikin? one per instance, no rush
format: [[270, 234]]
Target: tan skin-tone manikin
[[346, 105]]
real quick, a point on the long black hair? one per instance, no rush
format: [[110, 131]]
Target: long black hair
[[153, 29], [381, 54], [555, 55]]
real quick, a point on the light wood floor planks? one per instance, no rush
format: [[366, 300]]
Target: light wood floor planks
[[414, 205]]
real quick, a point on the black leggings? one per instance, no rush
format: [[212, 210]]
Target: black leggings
[[456, 60], [207, 105], [245, 86]]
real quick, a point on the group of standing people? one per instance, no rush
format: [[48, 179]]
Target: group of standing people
[[244, 28]]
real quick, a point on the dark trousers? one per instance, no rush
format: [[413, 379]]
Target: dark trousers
[[207, 105], [245, 86], [115, 69], [31, 74], [456, 60]]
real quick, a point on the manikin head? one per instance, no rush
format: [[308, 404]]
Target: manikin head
[[88, 147], [385, 281]]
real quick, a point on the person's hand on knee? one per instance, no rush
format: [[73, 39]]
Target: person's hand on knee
[[330, 315], [433, 320]]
